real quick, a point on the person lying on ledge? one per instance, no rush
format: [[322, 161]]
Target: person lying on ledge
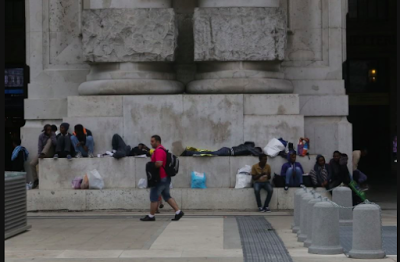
[[120, 149], [321, 173], [292, 171], [246, 149]]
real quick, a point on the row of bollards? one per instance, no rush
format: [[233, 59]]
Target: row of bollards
[[317, 222]]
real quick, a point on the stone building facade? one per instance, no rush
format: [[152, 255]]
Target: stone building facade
[[206, 73]]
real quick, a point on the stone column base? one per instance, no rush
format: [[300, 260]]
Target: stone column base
[[240, 86], [130, 87]]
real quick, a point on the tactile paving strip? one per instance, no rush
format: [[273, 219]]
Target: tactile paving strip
[[389, 241], [260, 242]]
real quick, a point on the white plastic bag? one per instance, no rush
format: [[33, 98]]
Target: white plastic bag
[[142, 183], [243, 177], [245, 170], [95, 180], [243, 181], [273, 147]]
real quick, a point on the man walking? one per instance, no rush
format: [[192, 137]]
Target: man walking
[[261, 174], [159, 158]]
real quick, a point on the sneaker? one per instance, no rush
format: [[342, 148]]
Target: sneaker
[[91, 155], [178, 216], [266, 209], [55, 156], [78, 155], [35, 184], [147, 218], [286, 188], [260, 209], [69, 157]]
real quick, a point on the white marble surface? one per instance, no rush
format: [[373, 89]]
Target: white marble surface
[[239, 34], [45, 108], [129, 35], [261, 129], [279, 104]]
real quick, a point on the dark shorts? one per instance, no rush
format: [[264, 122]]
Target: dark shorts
[[162, 189]]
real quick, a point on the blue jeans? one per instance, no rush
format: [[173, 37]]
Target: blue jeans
[[161, 188], [295, 181], [257, 189], [89, 144]]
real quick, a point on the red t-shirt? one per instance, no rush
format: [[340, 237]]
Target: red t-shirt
[[160, 155]]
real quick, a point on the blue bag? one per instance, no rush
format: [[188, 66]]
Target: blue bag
[[198, 180]]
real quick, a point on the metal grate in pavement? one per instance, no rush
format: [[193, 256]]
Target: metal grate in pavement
[[260, 242], [389, 241]]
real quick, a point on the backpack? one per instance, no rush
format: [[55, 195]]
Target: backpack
[[172, 165]]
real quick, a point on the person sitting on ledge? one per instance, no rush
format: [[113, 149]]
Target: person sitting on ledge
[[246, 149], [261, 174], [64, 148], [320, 174], [340, 172], [83, 142], [292, 171], [46, 143]]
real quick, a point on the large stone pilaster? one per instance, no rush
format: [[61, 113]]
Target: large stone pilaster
[[239, 46], [130, 47]]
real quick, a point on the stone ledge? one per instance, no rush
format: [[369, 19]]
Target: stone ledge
[[227, 199], [126, 172]]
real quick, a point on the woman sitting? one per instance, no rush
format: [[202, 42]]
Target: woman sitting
[[321, 173]]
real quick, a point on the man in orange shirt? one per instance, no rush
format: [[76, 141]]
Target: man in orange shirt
[[261, 173]]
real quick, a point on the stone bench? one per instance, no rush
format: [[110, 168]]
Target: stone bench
[[135, 199], [121, 178], [126, 172]]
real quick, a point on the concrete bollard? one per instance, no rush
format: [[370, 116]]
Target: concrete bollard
[[325, 234], [301, 210], [367, 233], [302, 234], [296, 210], [343, 197], [309, 223]]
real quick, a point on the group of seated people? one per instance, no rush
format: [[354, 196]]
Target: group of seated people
[[62, 144], [324, 175]]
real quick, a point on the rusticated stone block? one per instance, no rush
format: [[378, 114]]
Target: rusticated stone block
[[129, 35], [239, 34]]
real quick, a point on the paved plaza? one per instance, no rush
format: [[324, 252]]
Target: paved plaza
[[120, 236]]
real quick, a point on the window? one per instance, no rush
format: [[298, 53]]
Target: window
[[366, 76]]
